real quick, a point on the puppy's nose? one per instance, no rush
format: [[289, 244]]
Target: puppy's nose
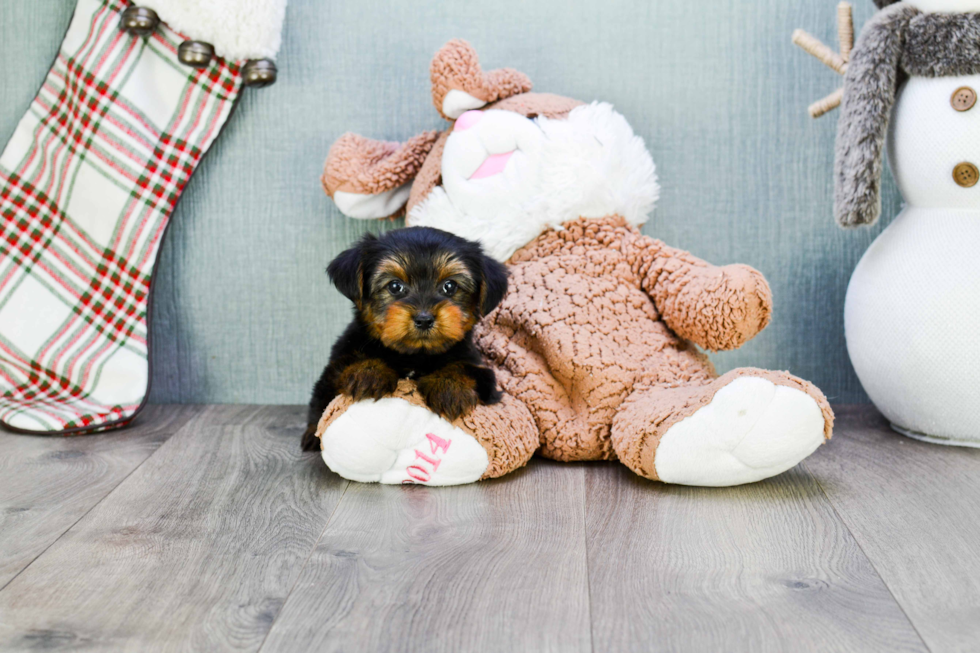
[[424, 320]]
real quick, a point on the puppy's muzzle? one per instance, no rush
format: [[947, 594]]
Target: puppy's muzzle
[[424, 320]]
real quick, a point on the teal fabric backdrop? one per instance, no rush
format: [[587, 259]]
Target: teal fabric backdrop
[[242, 311]]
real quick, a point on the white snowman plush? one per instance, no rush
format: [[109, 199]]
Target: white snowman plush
[[912, 310]]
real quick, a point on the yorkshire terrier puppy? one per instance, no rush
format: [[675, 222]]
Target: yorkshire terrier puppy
[[417, 294]]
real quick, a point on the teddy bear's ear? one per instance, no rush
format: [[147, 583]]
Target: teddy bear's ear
[[371, 179], [881, 4], [460, 85]]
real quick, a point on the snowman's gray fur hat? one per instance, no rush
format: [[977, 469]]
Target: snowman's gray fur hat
[[898, 41]]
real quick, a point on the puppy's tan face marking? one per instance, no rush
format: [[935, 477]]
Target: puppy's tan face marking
[[423, 304], [448, 267], [390, 268], [397, 328], [452, 323]]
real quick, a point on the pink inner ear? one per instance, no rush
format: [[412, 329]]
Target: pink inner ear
[[468, 119], [494, 164]]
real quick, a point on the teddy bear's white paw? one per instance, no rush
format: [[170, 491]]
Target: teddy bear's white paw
[[393, 441], [751, 430]]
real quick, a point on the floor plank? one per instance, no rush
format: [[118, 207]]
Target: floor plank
[[494, 566], [49, 482], [762, 567], [211, 543], [197, 549], [915, 510]]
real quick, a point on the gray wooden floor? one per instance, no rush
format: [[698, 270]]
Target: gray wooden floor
[[205, 528]]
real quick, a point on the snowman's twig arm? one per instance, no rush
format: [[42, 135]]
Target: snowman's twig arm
[[845, 29], [827, 104], [816, 48], [833, 60], [869, 94]]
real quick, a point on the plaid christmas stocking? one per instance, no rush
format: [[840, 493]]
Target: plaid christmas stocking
[[88, 183]]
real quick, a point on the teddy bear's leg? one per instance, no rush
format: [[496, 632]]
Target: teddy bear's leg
[[742, 427], [399, 440]]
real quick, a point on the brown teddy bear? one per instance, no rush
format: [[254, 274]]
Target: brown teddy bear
[[594, 343]]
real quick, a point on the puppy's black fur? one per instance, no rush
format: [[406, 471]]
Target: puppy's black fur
[[417, 294]]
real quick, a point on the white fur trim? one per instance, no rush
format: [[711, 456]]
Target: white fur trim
[[456, 103], [391, 441], [957, 6], [238, 29], [372, 207], [589, 164], [751, 430]]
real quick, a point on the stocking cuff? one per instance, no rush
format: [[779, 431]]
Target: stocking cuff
[[238, 29]]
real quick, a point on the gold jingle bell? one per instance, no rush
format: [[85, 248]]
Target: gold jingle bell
[[195, 53], [139, 21], [259, 72]]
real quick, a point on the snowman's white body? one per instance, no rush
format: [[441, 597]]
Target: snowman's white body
[[912, 313]]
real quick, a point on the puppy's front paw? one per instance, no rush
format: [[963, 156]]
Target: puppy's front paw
[[310, 442], [448, 394], [368, 379]]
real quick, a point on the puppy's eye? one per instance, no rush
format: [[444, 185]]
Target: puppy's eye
[[396, 287], [449, 288]]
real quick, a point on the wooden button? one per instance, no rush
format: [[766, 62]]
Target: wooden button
[[966, 175], [963, 99]]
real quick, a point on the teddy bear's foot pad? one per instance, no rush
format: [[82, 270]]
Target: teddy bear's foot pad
[[392, 441], [751, 430]]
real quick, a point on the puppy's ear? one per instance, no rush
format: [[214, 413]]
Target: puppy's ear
[[493, 284], [346, 271]]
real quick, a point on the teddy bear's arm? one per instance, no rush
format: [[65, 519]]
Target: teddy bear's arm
[[717, 308]]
